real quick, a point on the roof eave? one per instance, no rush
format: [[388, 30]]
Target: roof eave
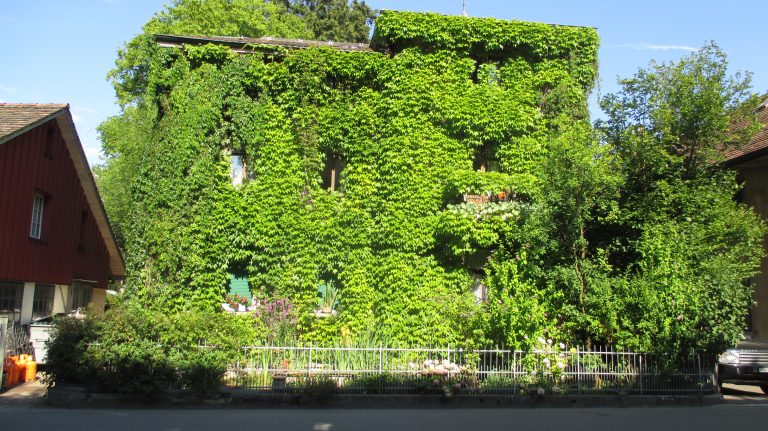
[[88, 183]]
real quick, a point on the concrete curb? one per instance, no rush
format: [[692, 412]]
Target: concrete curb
[[80, 397]]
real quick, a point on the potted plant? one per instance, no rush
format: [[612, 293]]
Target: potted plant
[[327, 299]]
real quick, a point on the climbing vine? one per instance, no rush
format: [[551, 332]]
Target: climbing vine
[[444, 182]]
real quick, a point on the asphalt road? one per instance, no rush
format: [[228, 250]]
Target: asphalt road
[[744, 408], [720, 417]]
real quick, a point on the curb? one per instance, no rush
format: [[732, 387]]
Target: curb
[[81, 397]]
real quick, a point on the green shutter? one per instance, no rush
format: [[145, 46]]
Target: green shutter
[[239, 286]]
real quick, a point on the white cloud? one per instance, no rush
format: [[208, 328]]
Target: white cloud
[[6, 89], [76, 118], [653, 47], [92, 153]]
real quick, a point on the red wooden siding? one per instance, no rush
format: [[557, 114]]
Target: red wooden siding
[[70, 246]]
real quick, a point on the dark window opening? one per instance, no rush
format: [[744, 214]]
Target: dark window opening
[[80, 295], [10, 299], [485, 160], [50, 136], [332, 173], [42, 303]]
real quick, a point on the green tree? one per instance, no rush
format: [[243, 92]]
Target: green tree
[[684, 245], [580, 189], [247, 18], [337, 20]]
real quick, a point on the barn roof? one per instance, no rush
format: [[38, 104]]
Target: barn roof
[[18, 118], [757, 145]]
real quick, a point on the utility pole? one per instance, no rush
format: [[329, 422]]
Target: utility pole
[[464, 8]]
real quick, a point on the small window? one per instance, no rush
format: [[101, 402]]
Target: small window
[[42, 303], [487, 165], [10, 299], [479, 289], [485, 159], [80, 295], [237, 168], [332, 173], [35, 230]]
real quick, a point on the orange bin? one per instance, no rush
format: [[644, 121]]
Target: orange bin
[[30, 370], [21, 368], [9, 370], [12, 369]]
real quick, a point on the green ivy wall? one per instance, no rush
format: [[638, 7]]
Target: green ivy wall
[[409, 118]]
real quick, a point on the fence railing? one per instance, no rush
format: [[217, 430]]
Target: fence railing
[[386, 370], [17, 340]]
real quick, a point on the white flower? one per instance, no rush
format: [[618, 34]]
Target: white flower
[[561, 365], [541, 340], [546, 361], [411, 365], [549, 341], [562, 346]]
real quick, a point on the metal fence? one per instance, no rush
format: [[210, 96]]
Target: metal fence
[[17, 340], [386, 370]]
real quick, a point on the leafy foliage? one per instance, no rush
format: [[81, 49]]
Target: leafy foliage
[[591, 236], [409, 128], [143, 351]]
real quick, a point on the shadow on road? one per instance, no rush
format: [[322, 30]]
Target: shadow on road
[[743, 394]]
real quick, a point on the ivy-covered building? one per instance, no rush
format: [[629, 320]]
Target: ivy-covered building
[[397, 173]]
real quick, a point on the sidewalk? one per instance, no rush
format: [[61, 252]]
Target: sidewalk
[[28, 394]]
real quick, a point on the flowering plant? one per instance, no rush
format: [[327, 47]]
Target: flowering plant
[[277, 318], [235, 300]]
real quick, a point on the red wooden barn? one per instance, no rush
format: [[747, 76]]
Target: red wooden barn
[[57, 249]]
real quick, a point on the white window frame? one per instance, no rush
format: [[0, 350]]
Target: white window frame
[[36, 227]]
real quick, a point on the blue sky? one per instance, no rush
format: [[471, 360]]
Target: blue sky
[[60, 51]]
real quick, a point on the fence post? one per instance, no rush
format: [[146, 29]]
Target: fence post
[[380, 359], [699, 378], [309, 364], [641, 374], [578, 371]]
